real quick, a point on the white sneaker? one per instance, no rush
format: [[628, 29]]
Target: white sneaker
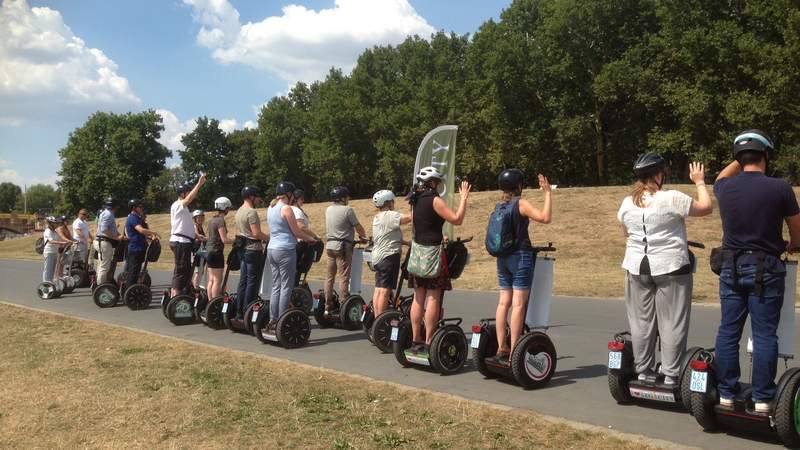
[[643, 376], [762, 407], [726, 402], [670, 381]]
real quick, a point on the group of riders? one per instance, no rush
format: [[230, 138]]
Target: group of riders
[[658, 266]]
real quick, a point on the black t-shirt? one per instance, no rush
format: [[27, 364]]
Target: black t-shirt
[[753, 208], [427, 224]]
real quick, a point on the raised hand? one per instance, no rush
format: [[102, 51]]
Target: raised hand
[[464, 190], [544, 183], [697, 173]]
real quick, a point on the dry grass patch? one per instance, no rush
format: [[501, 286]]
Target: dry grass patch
[[70, 383], [585, 230]]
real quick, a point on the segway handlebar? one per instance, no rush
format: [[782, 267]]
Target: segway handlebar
[[546, 248], [695, 244]]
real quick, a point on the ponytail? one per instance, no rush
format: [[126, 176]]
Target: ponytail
[[640, 188]]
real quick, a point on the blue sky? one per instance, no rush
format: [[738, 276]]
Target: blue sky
[[186, 58]]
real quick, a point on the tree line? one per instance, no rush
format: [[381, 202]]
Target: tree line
[[569, 88]]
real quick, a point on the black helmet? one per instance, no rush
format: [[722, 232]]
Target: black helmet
[[752, 140], [648, 164], [510, 179], [109, 202], [183, 188], [249, 191], [62, 218], [299, 193], [134, 202], [339, 192], [284, 187]]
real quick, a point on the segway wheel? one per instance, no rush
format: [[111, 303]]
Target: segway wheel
[[686, 377], [146, 280], [248, 315], [293, 329], [46, 290], [449, 349], [319, 312], [164, 301], [105, 295], [703, 406], [200, 303], [260, 327], [69, 284], [382, 330], [60, 286], [302, 299], [122, 278], [486, 348], [533, 361], [230, 313], [402, 343], [137, 297], [213, 313], [81, 276], [367, 319], [180, 310], [351, 311], [787, 411]]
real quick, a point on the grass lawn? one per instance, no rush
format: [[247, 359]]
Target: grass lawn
[[585, 230], [69, 383]]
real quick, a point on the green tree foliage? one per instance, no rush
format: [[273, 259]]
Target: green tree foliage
[[43, 197], [111, 154], [207, 150], [8, 196], [160, 192]]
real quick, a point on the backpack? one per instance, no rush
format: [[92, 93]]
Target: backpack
[[457, 258], [501, 236], [39, 246]]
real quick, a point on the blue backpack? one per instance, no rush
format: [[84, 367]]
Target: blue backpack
[[501, 236]]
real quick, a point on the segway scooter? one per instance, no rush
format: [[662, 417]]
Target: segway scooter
[[448, 349], [138, 295], [307, 255], [783, 416], [379, 329], [61, 283], [106, 295], [229, 304], [623, 383], [347, 314], [212, 314], [532, 363], [81, 271]]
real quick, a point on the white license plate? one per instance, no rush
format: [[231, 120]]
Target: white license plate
[[363, 315], [614, 360], [699, 381], [476, 340], [395, 331], [255, 316], [316, 303], [224, 308]]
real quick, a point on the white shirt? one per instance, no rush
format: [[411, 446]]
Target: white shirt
[[387, 235], [181, 220], [80, 226], [300, 215], [49, 237], [664, 241]]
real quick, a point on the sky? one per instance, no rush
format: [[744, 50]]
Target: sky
[[62, 60]]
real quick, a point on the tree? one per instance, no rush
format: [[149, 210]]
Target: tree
[[43, 197], [241, 168], [111, 154], [8, 196], [160, 192], [207, 151]]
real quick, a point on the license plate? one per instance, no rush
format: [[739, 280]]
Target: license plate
[[224, 308], [395, 332], [363, 315], [316, 303], [614, 360], [476, 340], [699, 381], [255, 316]]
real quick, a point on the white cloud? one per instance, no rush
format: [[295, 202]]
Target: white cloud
[[7, 174], [174, 128], [251, 125], [303, 44], [45, 70]]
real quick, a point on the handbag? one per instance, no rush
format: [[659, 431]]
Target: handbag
[[425, 261]]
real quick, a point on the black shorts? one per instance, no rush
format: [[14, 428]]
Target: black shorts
[[386, 272], [182, 273], [215, 260]]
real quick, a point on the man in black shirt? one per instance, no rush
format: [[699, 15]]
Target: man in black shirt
[[753, 208]]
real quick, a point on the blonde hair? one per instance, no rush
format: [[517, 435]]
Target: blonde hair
[[642, 186]]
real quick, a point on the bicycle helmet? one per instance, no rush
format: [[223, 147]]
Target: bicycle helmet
[[197, 212], [299, 193], [648, 164], [62, 219], [109, 202], [51, 219], [249, 191], [510, 179], [429, 173], [381, 197], [183, 188], [222, 204], [339, 193], [284, 188], [752, 140], [134, 202]]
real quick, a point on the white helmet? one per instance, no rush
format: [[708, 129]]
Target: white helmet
[[222, 203], [429, 173], [381, 197], [197, 212]]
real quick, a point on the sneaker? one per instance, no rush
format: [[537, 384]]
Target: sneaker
[[726, 402], [762, 407], [670, 381], [644, 375], [272, 327]]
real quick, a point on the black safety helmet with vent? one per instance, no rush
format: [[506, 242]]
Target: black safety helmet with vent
[[109, 202], [339, 193], [648, 165], [299, 193], [752, 141], [284, 188], [250, 191], [510, 179], [183, 188], [134, 202]]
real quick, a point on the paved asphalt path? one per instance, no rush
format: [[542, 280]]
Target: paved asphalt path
[[580, 330]]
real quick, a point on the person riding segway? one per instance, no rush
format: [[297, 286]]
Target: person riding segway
[[332, 308], [110, 248], [426, 338], [753, 280], [137, 295], [307, 255], [522, 349], [658, 289], [51, 285], [216, 284], [83, 238], [286, 324]]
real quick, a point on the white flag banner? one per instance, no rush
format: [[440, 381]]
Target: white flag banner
[[438, 149]]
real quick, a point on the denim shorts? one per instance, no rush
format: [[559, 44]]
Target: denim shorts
[[515, 271]]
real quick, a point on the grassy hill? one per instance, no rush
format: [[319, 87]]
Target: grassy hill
[[584, 229]]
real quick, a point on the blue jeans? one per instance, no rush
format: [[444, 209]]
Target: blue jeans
[[248, 280], [515, 271], [738, 298], [283, 263]]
